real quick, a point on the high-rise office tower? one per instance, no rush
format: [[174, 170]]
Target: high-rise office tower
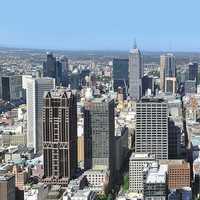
[[58, 76], [49, 66], [193, 71], [120, 74], [11, 87], [174, 139], [59, 136], [167, 72], [65, 70], [190, 87], [135, 73], [84, 75], [170, 85], [34, 96], [75, 79], [56, 68], [152, 127], [148, 84], [99, 130]]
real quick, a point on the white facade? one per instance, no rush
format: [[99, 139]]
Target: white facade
[[135, 73], [155, 182], [137, 162], [81, 195], [25, 79], [34, 97], [97, 179], [152, 127], [37, 192]]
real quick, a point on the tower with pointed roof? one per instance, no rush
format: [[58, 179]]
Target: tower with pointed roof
[[135, 72]]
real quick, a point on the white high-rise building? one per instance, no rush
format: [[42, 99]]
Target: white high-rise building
[[137, 162], [168, 73], [34, 97], [152, 127], [135, 73]]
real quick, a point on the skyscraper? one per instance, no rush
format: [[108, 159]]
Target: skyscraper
[[34, 97], [49, 66], [65, 70], [120, 74], [59, 136], [174, 139], [152, 127], [167, 72], [193, 71], [135, 73], [56, 68], [11, 87], [148, 83], [99, 128]]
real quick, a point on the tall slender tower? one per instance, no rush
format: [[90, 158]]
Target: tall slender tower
[[59, 136], [34, 97], [65, 71], [135, 73], [193, 71], [168, 73]]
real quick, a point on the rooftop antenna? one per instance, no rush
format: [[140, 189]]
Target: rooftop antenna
[[170, 46], [135, 44]]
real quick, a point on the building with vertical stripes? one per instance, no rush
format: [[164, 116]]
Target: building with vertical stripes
[[59, 136]]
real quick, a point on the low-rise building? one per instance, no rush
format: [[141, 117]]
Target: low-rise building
[[98, 180], [155, 182], [137, 162], [178, 174], [36, 192], [85, 194]]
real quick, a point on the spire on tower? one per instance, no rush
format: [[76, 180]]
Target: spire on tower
[[135, 44]]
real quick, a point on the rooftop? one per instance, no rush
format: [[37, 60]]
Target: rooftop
[[152, 100], [58, 92], [5, 177], [174, 162], [142, 156], [157, 173]]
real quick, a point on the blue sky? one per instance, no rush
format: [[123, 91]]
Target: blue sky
[[101, 24]]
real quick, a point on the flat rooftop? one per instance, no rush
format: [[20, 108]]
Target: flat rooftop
[[152, 100], [157, 174], [173, 162], [5, 177], [142, 156]]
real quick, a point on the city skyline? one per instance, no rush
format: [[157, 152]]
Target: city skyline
[[99, 100], [89, 25]]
